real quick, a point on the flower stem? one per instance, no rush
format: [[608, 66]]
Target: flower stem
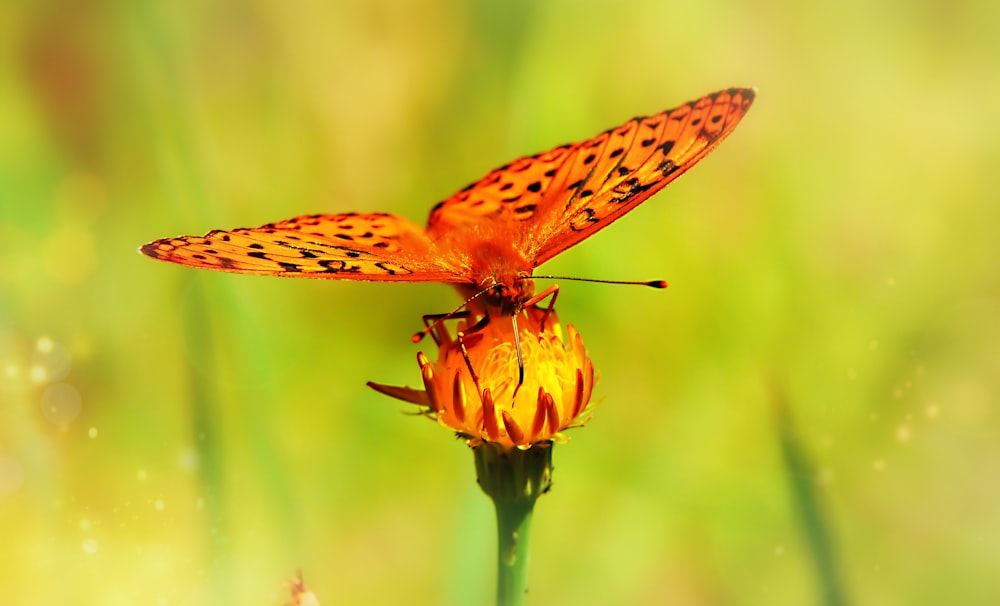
[[513, 533], [514, 479]]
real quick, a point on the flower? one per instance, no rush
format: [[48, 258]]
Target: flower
[[475, 387], [301, 596]]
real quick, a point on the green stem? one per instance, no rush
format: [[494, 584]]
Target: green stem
[[513, 534], [514, 479]]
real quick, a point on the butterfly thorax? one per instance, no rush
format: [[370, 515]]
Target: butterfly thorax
[[500, 270]]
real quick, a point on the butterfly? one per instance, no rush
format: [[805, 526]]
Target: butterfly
[[489, 237]]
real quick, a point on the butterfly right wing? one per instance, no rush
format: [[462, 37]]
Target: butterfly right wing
[[546, 203], [612, 173], [371, 247], [508, 196]]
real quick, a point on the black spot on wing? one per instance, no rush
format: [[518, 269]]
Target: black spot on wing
[[583, 218]]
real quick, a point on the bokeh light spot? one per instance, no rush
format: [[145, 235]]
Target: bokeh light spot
[[90, 546], [61, 403], [38, 374], [187, 460], [51, 359], [44, 344]]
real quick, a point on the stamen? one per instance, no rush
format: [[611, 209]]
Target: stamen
[[513, 430], [458, 397], [427, 374], [538, 423], [551, 412], [578, 395], [490, 427]]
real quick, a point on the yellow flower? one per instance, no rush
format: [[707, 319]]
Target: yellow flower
[[473, 388]]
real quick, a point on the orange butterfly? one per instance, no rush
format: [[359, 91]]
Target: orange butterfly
[[489, 237]]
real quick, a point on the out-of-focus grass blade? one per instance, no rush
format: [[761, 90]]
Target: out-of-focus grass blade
[[806, 502]]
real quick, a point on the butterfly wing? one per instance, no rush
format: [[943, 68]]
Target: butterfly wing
[[548, 202], [508, 195], [619, 169], [375, 247]]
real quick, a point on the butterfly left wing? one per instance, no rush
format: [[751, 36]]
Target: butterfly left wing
[[373, 247]]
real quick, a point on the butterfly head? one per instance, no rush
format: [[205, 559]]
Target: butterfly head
[[504, 294]]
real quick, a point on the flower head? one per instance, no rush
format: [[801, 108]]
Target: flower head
[[475, 386]]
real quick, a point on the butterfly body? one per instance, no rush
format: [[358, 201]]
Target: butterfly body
[[500, 276], [490, 236]]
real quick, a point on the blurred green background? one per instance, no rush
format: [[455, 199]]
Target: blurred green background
[[169, 436]]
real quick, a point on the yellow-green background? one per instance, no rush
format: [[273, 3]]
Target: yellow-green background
[[837, 253]]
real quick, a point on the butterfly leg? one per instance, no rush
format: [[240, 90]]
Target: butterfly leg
[[462, 336], [551, 291], [473, 331], [434, 326], [520, 358]]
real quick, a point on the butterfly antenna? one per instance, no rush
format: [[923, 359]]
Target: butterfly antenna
[[418, 337], [651, 283]]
